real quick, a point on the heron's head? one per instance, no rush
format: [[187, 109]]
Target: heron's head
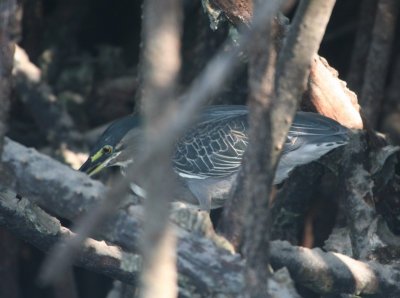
[[115, 147]]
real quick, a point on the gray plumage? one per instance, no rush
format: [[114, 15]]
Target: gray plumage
[[208, 157]]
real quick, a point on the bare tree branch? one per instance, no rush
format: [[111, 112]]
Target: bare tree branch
[[201, 264], [51, 118], [67, 193], [125, 228], [43, 231], [161, 52], [291, 73], [258, 168], [290, 79], [9, 29], [333, 272]]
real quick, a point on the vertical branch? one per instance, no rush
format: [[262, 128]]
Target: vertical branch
[[232, 222], [378, 59], [270, 123], [7, 45], [258, 167], [9, 245], [161, 33]]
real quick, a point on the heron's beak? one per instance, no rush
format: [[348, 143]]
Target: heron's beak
[[91, 167], [98, 162], [95, 163]]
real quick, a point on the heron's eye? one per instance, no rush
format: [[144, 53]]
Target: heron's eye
[[107, 149]]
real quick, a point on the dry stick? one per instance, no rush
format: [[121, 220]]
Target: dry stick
[[291, 75], [32, 224], [378, 59], [232, 221], [216, 73], [332, 273], [258, 166], [161, 32], [52, 119]]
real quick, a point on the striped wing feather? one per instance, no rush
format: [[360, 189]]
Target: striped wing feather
[[214, 147]]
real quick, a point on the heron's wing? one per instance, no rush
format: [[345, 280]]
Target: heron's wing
[[310, 128], [214, 147]]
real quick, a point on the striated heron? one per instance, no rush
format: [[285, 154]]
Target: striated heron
[[208, 157]]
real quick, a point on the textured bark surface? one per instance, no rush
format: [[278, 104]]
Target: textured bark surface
[[51, 118], [42, 230], [160, 68], [330, 96], [237, 11]]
